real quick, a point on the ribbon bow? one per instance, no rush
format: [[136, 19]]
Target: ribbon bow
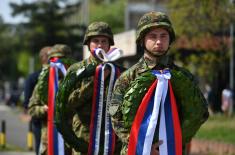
[[162, 74], [59, 66], [112, 55]]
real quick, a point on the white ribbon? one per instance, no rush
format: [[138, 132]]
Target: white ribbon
[[60, 144], [162, 126], [112, 55], [107, 116], [59, 66], [159, 99], [100, 109], [99, 117]]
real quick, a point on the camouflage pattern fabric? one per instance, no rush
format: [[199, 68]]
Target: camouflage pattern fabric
[[75, 98], [39, 100], [98, 29], [59, 50], [192, 110], [154, 19]]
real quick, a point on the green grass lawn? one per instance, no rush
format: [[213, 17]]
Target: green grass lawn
[[218, 128]]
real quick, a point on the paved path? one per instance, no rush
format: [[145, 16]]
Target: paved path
[[16, 129], [17, 153]]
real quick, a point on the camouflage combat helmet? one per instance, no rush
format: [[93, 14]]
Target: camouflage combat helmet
[[154, 19], [59, 50], [98, 28]]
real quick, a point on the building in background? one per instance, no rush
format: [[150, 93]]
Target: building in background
[[126, 40], [133, 11], [136, 8]]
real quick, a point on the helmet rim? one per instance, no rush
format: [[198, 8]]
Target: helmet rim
[[98, 29], [154, 19]]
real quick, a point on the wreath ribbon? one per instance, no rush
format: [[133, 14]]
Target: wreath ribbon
[[98, 103], [55, 140], [112, 55], [159, 101]]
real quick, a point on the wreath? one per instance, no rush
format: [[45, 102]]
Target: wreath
[[192, 106], [43, 79], [66, 87]]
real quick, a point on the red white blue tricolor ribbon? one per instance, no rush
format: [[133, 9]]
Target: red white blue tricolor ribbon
[[55, 140], [98, 104], [157, 107], [112, 55]]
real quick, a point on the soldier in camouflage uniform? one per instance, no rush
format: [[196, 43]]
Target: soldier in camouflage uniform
[[155, 35], [30, 83], [76, 93], [38, 102]]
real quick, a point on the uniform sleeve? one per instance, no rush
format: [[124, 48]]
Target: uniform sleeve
[[30, 83], [39, 96], [83, 92], [35, 107], [115, 111], [65, 110]]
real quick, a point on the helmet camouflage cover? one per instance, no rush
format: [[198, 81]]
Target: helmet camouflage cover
[[154, 19], [98, 29], [59, 50]]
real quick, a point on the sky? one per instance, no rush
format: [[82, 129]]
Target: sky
[[5, 11]]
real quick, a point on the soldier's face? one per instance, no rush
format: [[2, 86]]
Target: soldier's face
[[43, 57], [99, 42], [157, 41]]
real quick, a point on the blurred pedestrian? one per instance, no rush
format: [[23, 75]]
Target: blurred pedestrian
[[59, 55], [227, 101], [14, 95], [28, 90], [156, 107], [86, 93]]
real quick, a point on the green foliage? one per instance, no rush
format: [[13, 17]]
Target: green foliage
[[205, 64], [205, 25], [23, 62], [199, 18], [49, 24], [8, 58], [112, 13]]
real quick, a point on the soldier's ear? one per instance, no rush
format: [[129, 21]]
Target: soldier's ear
[[142, 43], [88, 45]]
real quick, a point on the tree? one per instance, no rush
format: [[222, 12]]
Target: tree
[[8, 58], [49, 24], [199, 18], [112, 13], [202, 44]]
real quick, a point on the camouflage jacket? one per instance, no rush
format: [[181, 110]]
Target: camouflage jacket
[[75, 100], [36, 104], [39, 99], [189, 125]]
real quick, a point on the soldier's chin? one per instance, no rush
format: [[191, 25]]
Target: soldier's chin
[[158, 54]]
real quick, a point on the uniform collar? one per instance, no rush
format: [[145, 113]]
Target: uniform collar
[[93, 60], [146, 64]]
